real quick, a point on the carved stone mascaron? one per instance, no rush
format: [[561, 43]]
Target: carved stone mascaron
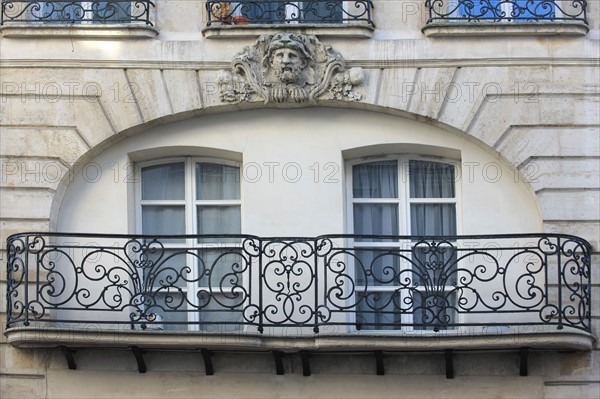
[[289, 67]]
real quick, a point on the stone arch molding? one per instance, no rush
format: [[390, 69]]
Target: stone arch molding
[[289, 67], [81, 123]]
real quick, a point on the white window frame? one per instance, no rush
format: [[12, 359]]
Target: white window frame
[[190, 204], [404, 226]]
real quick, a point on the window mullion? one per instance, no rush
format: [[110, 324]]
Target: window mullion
[[191, 229], [404, 224]]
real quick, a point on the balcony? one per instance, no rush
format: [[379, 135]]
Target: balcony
[[506, 17], [77, 12], [507, 10], [252, 12], [243, 18], [72, 19], [328, 292]]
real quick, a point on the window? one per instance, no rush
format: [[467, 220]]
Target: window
[[192, 197], [403, 282]]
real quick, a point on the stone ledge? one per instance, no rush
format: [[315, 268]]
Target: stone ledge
[[121, 31], [27, 337], [470, 29], [354, 31]]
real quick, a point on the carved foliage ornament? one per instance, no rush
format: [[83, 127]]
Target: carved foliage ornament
[[289, 67]]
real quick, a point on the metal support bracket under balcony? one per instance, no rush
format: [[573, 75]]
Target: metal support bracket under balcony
[[69, 357], [449, 354], [278, 357], [523, 362], [139, 358], [304, 356], [208, 365], [379, 363]]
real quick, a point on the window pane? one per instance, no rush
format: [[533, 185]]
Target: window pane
[[534, 9], [220, 269], [433, 219], [323, 11], [434, 266], [486, 9], [379, 311], [219, 220], [167, 305], [219, 309], [431, 180], [163, 182], [376, 219], [119, 11], [163, 220], [375, 180], [63, 11], [376, 267], [168, 268], [264, 11], [217, 181], [433, 310]]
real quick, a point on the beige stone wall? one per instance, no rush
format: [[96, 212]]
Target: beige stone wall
[[532, 99]]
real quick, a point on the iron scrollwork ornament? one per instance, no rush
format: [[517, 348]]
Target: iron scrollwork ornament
[[288, 67]]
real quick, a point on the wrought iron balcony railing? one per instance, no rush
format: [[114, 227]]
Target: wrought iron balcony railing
[[506, 10], [249, 284], [77, 12], [249, 12]]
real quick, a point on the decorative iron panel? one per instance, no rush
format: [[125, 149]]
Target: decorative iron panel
[[335, 283], [506, 10], [248, 12], [77, 12]]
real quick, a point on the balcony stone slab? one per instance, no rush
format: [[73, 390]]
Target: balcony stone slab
[[458, 29], [348, 31], [32, 30], [36, 337]]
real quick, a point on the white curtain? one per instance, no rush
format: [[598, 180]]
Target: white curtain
[[433, 219], [432, 180], [376, 219], [375, 180], [164, 182], [218, 182], [157, 220], [219, 220]]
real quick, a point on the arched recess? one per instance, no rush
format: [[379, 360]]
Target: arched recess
[[292, 164]]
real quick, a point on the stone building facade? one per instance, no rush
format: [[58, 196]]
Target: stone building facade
[[304, 104]]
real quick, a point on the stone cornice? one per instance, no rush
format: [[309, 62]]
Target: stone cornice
[[367, 64], [471, 29]]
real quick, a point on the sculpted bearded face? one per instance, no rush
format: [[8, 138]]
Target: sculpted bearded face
[[287, 64]]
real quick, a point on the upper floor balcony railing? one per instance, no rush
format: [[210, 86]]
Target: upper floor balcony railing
[[506, 10], [77, 12], [251, 12], [341, 283]]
